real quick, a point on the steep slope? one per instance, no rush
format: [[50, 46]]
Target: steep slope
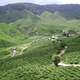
[[28, 28], [10, 35], [13, 12], [35, 62], [45, 24]]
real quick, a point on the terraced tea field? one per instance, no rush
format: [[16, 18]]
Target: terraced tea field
[[35, 63]]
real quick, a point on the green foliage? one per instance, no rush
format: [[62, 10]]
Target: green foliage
[[35, 62]]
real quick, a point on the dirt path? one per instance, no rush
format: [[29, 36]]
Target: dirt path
[[21, 47], [66, 65], [25, 46]]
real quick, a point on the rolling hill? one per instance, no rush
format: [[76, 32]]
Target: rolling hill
[[28, 28], [13, 12]]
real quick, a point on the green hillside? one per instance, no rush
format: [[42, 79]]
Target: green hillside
[[33, 59], [36, 63], [38, 25]]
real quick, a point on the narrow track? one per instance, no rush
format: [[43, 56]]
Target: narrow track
[[66, 65]]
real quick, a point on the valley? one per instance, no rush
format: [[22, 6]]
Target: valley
[[31, 29]]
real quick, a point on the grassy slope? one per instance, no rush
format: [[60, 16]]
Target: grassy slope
[[46, 24], [35, 62]]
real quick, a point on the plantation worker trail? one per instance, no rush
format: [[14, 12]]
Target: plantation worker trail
[[58, 62], [18, 50], [21, 47], [25, 46], [68, 65]]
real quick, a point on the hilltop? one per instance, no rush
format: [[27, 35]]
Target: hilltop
[[13, 12]]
